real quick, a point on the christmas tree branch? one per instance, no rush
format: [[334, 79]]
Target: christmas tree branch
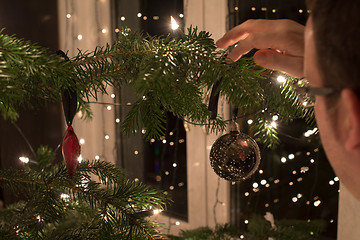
[[115, 201], [165, 74]]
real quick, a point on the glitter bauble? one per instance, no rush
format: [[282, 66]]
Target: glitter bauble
[[235, 156]]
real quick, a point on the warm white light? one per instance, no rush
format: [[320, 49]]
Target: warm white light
[[80, 158], [79, 37], [122, 18], [275, 117], [117, 120], [336, 179], [174, 24], [157, 211], [108, 107], [64, 196], [294, 199], [331, 182], [299, 195], [82, 141], [107, 137], [281, 79], [97, 157], [250, 121], [301, 11], [312, 160], [68, 15], [164, 141], [177, 223], [246, 221], [283, 160], [24, 159], [112, 95], [174, 165], [263, 182], [255, 185], [253, 9], [242, 236], [181, 15], [136, 152], [317, 203], [274, 124], [104, 30], [139, 15], [247, 194], [261, 171], [291, 156]]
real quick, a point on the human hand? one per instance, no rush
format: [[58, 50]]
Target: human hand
[[280, 44]]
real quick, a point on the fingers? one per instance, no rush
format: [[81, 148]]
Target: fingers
[[241, 31], [283, 42], [270, 59]]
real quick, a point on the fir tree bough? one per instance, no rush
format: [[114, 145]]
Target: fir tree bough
[[166, 75], [58, 207]]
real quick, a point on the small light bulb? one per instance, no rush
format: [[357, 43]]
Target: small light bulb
[[274, 124], [112, 95], [139, 15], [24, 159], [177, 223], [281, 79], [82, 141], [108, 107], [250, 121], [117, 120], [80, 158], [104, 30], [263, 182], [68, 15], [174, 24], [122, 18], [157, 211], [336, 179], [255, 185], [97, 157], [275, 117], [174, 165], [181, 15], [107, 137], [283, 160], [317, 203], [331, 182], [79, 37], [291, 156], [246, 221]]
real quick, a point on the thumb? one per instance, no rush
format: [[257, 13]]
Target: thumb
[[271, 59]]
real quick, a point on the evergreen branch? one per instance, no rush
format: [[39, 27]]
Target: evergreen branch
[[165, 74], [114, 202]]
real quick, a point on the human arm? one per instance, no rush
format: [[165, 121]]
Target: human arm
[[280, 44]]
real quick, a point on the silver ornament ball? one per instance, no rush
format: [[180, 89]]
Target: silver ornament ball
[[235, 156]]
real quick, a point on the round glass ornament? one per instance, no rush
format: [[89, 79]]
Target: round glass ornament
[[235, 156]]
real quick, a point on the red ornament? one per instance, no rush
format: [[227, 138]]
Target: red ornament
[[71, 150]]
